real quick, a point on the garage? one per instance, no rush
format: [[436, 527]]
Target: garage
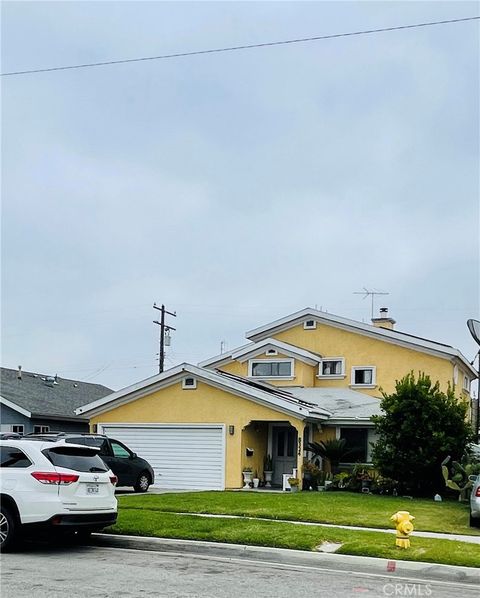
[[183, 456]]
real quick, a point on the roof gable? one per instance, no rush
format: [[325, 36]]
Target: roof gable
[[390, 336], [271, 343], [255, 391]]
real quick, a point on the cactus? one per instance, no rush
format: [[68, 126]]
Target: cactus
[[458, 481]]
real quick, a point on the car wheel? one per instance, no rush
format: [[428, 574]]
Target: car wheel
[[7, 529], [143, 482], [474, 522]]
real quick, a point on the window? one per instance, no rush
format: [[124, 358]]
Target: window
[[332, 367], [75, 458], [14, 457], [41, 429], [119, 450], [271, 369], [466, 383], [189, 383], [356, 443], [310, 324], [18, 428], [271, 352], [363, 376]]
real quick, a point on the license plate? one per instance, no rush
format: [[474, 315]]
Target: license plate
[[92, 488]]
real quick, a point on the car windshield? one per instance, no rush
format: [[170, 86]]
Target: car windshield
[[75, 458]]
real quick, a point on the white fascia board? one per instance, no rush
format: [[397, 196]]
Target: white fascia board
[[222, 358], [391, 336], [364, 422], [169, 377], [129, 390], [15, 407], [291, 350]]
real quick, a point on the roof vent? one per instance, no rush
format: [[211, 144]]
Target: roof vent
[[19, 373]]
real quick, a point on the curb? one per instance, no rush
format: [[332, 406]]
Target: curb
[[282, 557]]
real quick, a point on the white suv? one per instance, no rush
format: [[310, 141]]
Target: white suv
[[50, 484]]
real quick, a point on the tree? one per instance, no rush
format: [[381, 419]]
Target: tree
[[420, 427], [333, 451]]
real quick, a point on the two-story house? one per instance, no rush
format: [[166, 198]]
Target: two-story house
[[306, 377]]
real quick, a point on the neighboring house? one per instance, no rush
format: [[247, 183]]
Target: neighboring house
[[307, 377], [38, 403]]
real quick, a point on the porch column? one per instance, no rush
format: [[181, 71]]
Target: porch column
[[300, 427]]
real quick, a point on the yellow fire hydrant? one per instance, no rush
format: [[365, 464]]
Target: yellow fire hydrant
[[403, 523]]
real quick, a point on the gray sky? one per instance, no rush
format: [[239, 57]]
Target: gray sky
[[236, 188]]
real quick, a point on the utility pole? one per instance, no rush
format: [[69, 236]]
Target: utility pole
[[163, 329]]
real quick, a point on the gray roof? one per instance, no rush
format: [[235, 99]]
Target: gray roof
[[343, 403], [41, 396]]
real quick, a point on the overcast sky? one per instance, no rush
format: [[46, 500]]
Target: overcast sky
[[236, 188]]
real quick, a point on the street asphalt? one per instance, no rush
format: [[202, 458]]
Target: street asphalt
[[130, 567]]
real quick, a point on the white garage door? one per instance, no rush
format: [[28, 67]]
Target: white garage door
[[183, 457]]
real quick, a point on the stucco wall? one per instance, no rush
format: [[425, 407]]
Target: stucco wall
[[205, 404]]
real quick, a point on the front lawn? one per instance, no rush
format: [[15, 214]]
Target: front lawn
[[343, 508], [147, 522]]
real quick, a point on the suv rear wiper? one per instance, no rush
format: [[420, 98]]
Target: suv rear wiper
[[92, 469]]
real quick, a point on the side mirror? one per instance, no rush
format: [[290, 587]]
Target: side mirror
[[133, 456], [472, 478]]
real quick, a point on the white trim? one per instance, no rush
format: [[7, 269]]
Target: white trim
[[290, 376], [306, 327], [173, 376], [332, 376], [222, 426], [245, 353], [371, 384], [15, 407], [391, 336], [186, 386]]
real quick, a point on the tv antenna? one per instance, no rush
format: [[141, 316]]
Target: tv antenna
[[366, 293]]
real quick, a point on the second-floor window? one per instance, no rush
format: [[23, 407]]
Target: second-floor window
[[269, 368], [363, 376], [466, 383], [331, 366]]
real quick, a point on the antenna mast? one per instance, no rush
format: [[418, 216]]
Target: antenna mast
[[366, 293]]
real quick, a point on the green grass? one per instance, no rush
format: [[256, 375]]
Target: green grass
[[146, 522], [343, 508]]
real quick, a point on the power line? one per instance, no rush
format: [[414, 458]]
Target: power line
[[235, 48]]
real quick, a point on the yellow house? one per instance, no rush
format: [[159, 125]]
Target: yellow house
[[306, 377]]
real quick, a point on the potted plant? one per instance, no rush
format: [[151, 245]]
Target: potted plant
[[363, 473], [294, 483], [268, 470], [310, 474], [247, 477], [321, 481]]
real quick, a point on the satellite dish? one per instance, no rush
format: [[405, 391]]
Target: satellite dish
[[474, 327]]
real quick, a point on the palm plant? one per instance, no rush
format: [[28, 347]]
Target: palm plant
[[334, 451]]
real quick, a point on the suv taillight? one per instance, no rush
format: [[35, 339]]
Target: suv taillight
[[477, 493], [50, 477], [114, 479]]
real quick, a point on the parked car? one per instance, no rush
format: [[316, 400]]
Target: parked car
[[475, 502], [46, 484], [130, 469]]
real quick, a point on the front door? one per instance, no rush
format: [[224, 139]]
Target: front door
[[284, 443]]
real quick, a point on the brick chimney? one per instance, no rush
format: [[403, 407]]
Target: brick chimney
[[384, 320]]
